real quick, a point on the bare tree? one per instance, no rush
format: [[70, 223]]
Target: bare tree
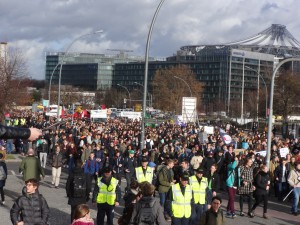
[[12, 71], [286, 94], [168, 90]]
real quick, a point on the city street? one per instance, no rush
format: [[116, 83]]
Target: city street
[[60, 210]]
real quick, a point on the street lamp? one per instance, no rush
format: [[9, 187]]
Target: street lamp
[[62, 61], [146, 72], [186, 84], [150, 95], [271, 106], [126, 90], [50, 82], [266, 88]]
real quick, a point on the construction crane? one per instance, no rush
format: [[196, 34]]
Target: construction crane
[[121, 51]]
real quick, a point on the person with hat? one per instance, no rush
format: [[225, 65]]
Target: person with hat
[[294, 182], [214, 215], [179, 201], [129, 167], [144, 172], [199, 186], [107, 194]]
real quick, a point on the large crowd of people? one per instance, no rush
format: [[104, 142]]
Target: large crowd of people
[[188, 172]]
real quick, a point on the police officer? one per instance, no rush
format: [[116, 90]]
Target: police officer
[[199, 186], [107, 194], [144, 172], [179, 201]]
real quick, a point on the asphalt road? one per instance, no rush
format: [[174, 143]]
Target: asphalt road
[[60, 210]]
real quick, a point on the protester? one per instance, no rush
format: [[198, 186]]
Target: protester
[[232, 182], [31, 207], [213, 216], [147, 210], [82, 216], [57, 161], [281, 174], [77, 187], [294, 182], [262, 185], [165, 181], [246, 187], [3, 177], [31, 167]]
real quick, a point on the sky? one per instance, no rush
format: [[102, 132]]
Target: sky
[[35, 27]]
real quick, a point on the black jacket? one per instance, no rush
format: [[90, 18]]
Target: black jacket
[[214, 179], [278, 173], [14, 132], [32, 209], [261, 182], [69, 188]]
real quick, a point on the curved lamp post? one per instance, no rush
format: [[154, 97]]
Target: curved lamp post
[[62, 61], [50, 82], [150, 95], [127, 91], [186, 84], [271, 106], [262, 78], [146, 73]]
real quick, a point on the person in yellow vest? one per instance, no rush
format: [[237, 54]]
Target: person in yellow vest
[[179, 201], [107, 194], [23, 122], [144, 172], [199, 186]]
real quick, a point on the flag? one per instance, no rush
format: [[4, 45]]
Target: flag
[[225, 137]]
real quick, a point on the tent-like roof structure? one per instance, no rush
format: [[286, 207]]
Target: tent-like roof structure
[[276, 40]]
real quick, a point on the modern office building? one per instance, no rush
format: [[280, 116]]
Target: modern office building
[[89, 71], [228, 71]]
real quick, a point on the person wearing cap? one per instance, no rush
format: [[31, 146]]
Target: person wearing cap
[[294, 182], [199, 186], [214, 215], [129, 167], [179, 201], [144, 172], [107, 194]]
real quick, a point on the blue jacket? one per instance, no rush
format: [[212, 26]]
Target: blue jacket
[[231, 174], [91, 167]]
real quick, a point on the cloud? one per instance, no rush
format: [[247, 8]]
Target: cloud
[[38, 26]]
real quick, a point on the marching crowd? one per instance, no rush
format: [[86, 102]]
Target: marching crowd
[[186, 172]]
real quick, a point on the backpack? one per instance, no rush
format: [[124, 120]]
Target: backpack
[[79, 186], [146, 214], [3, 175], [155, 177], [148, 145]]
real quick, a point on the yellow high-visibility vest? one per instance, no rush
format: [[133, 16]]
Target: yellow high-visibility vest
[[181, 204], [23, 121], [107, 194], [140, 174], [199, 189]]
